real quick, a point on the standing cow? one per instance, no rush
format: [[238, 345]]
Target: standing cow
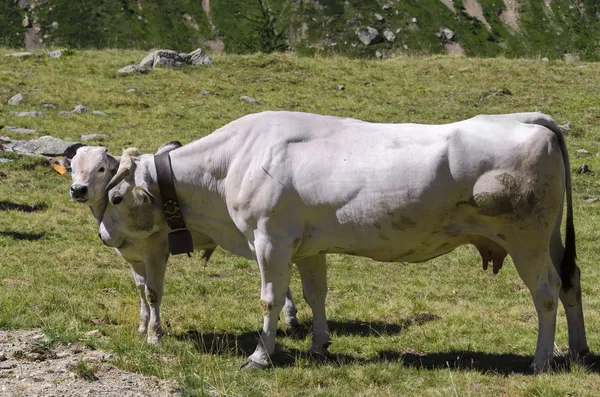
[[92, 168], [283, 187]]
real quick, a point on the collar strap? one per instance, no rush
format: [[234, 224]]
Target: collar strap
[[180, 239]]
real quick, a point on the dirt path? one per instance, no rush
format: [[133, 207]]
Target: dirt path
[[29, 367]]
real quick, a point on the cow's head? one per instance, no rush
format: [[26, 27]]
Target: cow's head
[[92, 168], [132, 213]]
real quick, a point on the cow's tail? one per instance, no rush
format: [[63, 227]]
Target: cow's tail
[[568, 265]]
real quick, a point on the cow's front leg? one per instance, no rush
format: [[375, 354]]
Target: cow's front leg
[[313, 272], [275, 262], [139, 276], [155, 258]]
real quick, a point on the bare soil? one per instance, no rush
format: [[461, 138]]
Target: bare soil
[[30, 366]]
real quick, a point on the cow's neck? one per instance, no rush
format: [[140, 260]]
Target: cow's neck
[[97, 209], [199, 170]]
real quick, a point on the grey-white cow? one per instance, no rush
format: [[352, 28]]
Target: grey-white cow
[[92, 168], [283, 187]]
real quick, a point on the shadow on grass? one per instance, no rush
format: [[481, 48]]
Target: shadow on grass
[[243, 344], [23, 236], [10, 206]]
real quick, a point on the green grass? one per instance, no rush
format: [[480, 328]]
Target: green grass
[[55, 273]]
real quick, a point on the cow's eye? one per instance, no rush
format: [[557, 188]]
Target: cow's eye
[[116, 199], [101, 169]]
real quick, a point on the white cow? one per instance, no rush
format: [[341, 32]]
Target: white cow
[[283, 187], [92, 168]]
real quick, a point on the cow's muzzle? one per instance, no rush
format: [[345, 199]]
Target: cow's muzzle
[[79, 192]]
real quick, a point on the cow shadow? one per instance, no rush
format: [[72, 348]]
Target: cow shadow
[[23, 236], [243, 344], [10, 206]]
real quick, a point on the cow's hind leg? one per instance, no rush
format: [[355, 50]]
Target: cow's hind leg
[[290, 311], [139, 276], [539, 275], [313, 272], [274, 258], [571, 300]]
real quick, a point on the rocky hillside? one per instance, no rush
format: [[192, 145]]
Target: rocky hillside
[[513, 28]]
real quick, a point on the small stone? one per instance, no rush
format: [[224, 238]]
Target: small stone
[[405, 46], [28, 114], [95, 332], [48, 106], [29, 75], [4, 161], [591, 200], [368, 84], [387, 7], [97, 136], [414, 20], [80, 109], [16, 99], [544, 60], [132, 69], [379, 54], [204, 92], [379, 17], [20, 130], [248, 99], [130, 90], [54, 25], [99, 113], [66, 113], [340, 88], [583, 151]]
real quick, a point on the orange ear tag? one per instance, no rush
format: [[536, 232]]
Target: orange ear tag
[[60, 169]]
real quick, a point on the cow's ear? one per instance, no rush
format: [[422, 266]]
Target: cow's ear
[[141, 195], [113, 163]]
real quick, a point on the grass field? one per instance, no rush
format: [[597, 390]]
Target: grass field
[[444, 327]]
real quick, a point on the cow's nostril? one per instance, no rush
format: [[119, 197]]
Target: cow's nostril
[[83, 189]]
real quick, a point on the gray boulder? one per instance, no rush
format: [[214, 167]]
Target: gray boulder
[[132, 69], [16, 99], [446, 33], [389, 35], [368, 35], [18, 130], [169, 59], [20, 54], [55, 54], [80, 109], [43, 146], [199, 57], [28, 114], [248, 99], [97, 137]]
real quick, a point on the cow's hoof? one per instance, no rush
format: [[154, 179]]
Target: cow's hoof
[[320, 352], [541, 369], [579, 356], [291, 324], [253, 366]]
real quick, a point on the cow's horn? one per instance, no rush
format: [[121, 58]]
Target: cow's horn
[[129, 155]]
